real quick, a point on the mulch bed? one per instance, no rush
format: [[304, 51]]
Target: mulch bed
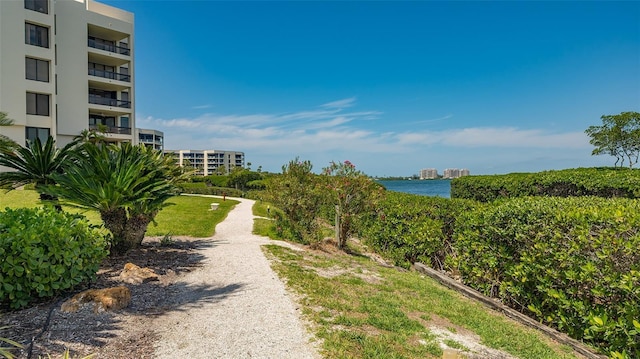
[[128, 333]]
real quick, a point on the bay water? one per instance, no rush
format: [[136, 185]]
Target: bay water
[[433, 188]]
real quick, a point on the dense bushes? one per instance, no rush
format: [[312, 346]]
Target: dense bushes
[[201, 188], [212, 180], [601, 182], [409, 228], [572, 263], [44, 252]]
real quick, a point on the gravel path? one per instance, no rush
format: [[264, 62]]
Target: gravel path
[[235, 306]]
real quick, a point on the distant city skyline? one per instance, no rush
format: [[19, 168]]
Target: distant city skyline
[[494, 87], [432, 173]]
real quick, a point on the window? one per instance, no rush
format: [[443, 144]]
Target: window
[[37, 104], [101, 70], [36, 35], [124, 121], [97, 120], [37, 69], [37, 132], [37, 5]]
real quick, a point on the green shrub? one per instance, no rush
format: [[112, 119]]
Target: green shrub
[[200, 188], [45, 252], [601, 182], [572, 263], [217, 180], [408, 228], [297, 194]]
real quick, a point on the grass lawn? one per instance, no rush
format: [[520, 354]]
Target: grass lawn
[[188, 216], [360, 309], [18, 199], [264, 226]]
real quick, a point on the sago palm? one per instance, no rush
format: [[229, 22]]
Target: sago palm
[[35, 164], [127, 184], [5, 142]]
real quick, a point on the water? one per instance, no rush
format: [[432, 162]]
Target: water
[[433, 188]]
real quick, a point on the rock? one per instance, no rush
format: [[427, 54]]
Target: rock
[[101, 299], [133, 274]]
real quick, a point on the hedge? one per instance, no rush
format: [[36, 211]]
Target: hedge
[[601, 182], [45, 252], [201, 188], [408, 228], [572, 263]]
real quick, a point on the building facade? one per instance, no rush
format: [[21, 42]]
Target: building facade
[[150, 138], [207, 162], [428, 173], [66, 66], [455, 173]]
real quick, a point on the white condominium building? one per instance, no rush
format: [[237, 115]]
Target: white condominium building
[[428, 173], [66, 66], [150, 138], [455, 172], [207, 162]]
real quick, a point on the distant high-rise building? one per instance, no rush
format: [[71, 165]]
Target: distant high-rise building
[[428, 173], [455, 173], [150, 138], [207, 162]]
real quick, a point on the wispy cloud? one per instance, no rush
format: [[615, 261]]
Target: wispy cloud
[[344, 103], [330, 129], [496, 137], [201, 107], [439, 119]]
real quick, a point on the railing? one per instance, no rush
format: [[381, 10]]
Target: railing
[[111, 129], [110, 75], [101, 44], [99, 100], [150, 140]]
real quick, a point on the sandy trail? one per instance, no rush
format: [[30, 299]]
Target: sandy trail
[[235, 306]]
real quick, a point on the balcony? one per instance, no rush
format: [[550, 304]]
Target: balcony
[[99, 100], [111, 129], [106, 45], [110, 75]]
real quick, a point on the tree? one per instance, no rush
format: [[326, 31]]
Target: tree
[[128, 185], [350, 193], [5, 142], [92, 136], [618, 136], [296, 192], [221, 170], [36, 163], [239, 177]]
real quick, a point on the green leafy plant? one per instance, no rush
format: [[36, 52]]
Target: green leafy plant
[[127, 184], [349, 193], [408, 228], [601, 182], [297, 195], [67, 355], [167, 240], [572, 263], [6, 144], [36, 164], [618, 136], [44, 253], [5, 351]]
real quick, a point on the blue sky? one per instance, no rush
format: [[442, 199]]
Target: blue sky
[[394, 87]]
